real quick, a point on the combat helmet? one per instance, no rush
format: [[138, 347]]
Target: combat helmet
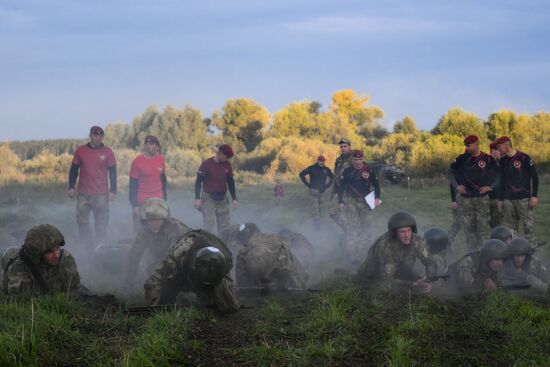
[[42, 238], [501, 233], [154, 208], [246, 231], [492, 249], [520, 246], [437, 239], [207, 267], [401, 219]]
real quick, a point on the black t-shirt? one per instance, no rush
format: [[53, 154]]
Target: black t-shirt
[[475, 172], [357, 183], [517, 174], [317, 177]]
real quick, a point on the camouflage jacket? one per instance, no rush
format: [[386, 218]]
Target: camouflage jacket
[[171, 276], [392, 263], [342, 162], [470, 275], [155, 244], [532, 273], [63, 277], [266, 260]]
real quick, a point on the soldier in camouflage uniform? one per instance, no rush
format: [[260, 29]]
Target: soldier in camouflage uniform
[[438, 240], [320, 178], [390, 262], [41, 265], [200, 263], [474, 174], [7, 255], [301, 248], [524, 268], [158, 232], [502, 233], [481, 270], [344, 161], [266, 260]]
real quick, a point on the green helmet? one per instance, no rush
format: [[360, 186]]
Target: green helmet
[[246, 231], [42, 238], [207, 267], [154, 208], [492, 249], [501, 233], [437, 239], [401, 219], [520, 246]]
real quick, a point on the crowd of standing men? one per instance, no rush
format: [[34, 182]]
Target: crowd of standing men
[[493, 190]]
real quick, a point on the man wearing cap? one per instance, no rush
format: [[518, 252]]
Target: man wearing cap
[[214, 177], [474, 174], [342, 162], [97, 184], [318, 183], [147, 177], [357, 182], [519, 184], [494, 196]]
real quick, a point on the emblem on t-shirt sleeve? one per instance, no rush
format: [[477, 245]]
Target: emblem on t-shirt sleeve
[[365, 175], [517, 164]]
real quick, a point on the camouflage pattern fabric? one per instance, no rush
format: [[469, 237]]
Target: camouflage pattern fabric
[[440, 259], [497, 217], [518, 212], [63, 277], [470, 275], [336, 213], [474, 215], [215, 212], [532, 273], [156, 246], [171, 276], [455, 228], [358, 230], [317, 203], [266, 260], [99, 206], [392, 263]]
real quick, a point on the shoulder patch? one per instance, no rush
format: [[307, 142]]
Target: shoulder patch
[[481, 163], [517, 164]]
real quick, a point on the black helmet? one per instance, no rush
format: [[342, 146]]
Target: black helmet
[[520, 246], [246, 231], [401, 219], [207, 267], [493, 249], [42, 238], [437, 239], [501, 233]]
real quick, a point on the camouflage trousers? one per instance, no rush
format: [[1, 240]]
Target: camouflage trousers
[[317, 203], [215, 212], [337, 214], [475, 216], [99, 206], [519, 211], [497, 217], [455, 227], [358, 230]]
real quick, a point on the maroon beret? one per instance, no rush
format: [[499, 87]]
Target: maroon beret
[[152, 139], [502, 140], [321, 158], [226, 149], [357, 153], [470, 139], [96, 130], [493, 146]]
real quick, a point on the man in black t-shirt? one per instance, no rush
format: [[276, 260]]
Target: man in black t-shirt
[[519, 185], [320, 178]]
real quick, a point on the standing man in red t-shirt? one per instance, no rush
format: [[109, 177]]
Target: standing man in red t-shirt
[[147, 177], [215, 176], [96, 187]]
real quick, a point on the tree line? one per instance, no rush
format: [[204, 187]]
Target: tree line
[[284, 142]]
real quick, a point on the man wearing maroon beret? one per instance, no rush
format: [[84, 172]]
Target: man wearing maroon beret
[[357, 182], [474, 174], [320, 178], [519, 184], [214, 177], [97, 184]]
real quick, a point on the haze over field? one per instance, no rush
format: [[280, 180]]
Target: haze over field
[[68, 64]]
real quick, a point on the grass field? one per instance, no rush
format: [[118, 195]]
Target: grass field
[[341, 325]]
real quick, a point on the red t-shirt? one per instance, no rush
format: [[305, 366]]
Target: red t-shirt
[[148, 172], [215, 175], [94, 166]]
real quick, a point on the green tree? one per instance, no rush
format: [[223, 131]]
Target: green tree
[[461, 123], [296, 119], [117, 135], [405, 126], [501, 123]]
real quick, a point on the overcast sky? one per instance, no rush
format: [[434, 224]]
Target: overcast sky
[[68, 64]]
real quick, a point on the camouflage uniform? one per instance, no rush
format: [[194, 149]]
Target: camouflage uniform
[[172, 275], [519, 211], [336, 213], [474, 213], [455, 227], [156, 244], [266, 260], [531, 272], [215, 212], [300, 247], [99, 205], [392, 263], [497, 217], [63, 277], [317, 203]]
